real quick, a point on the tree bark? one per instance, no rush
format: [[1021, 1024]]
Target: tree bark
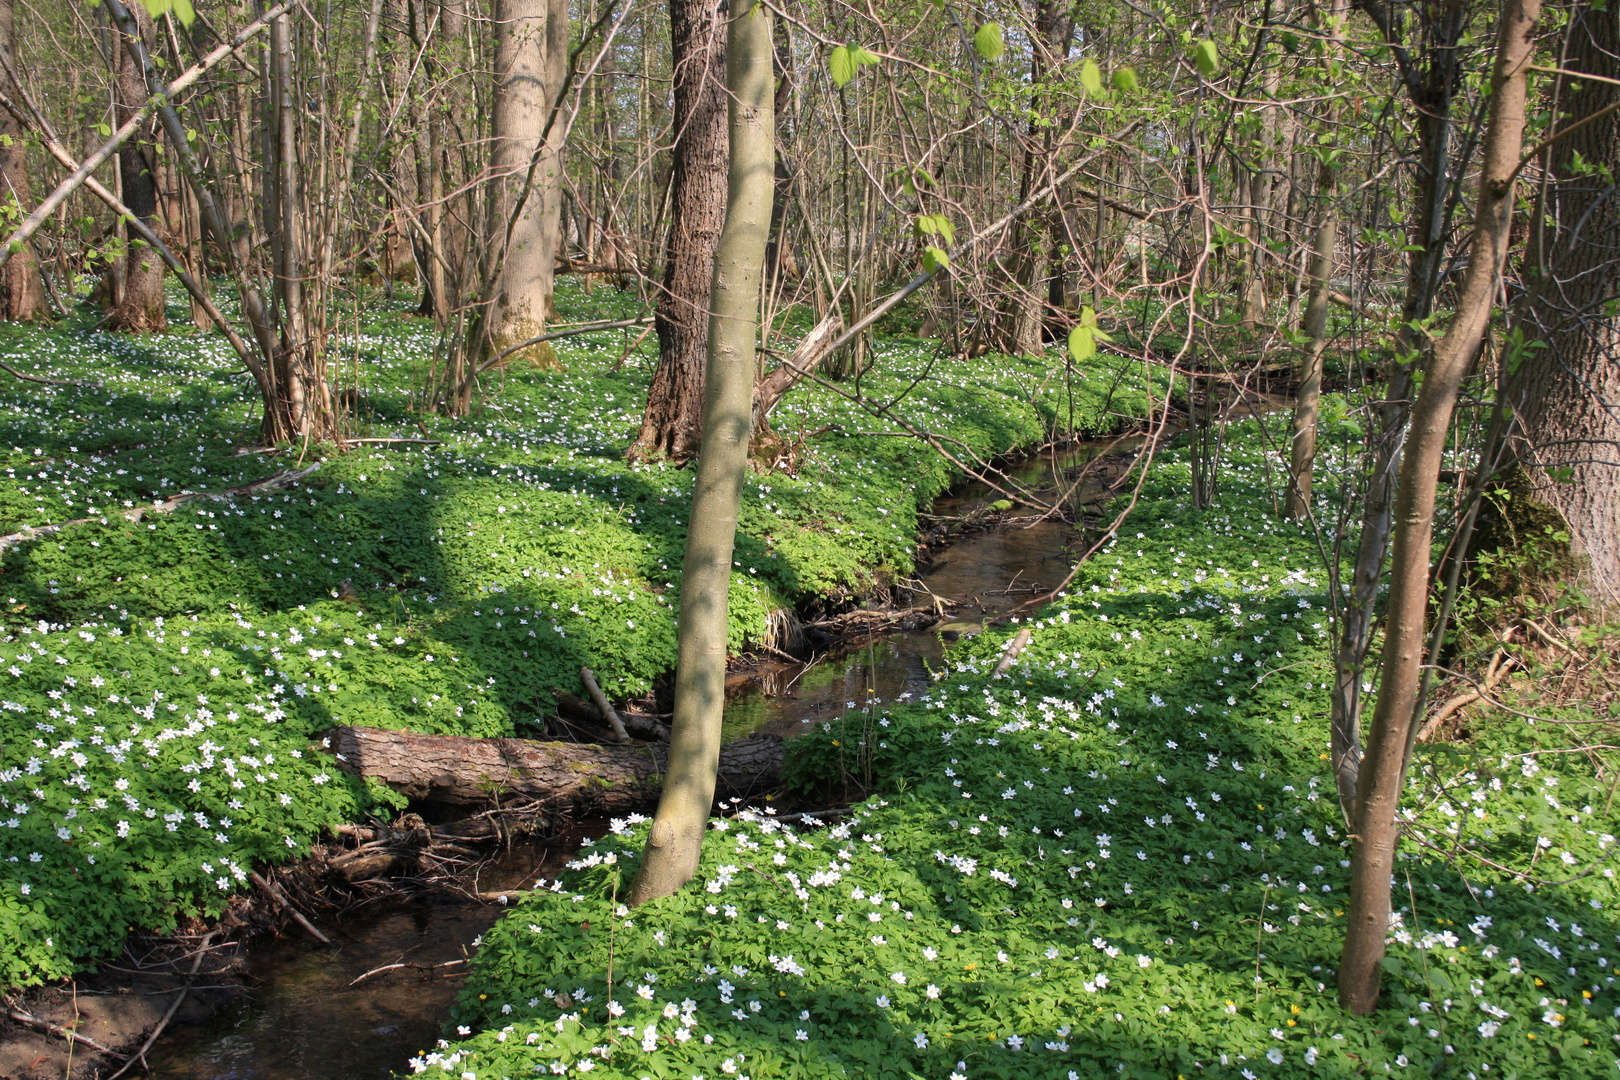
[[676, 839], [531, 61], [1568, 392], [139, 308], [575, 776], [1307, 404], [672, 426], [22, 294], [1383, 769], [1430, 89]]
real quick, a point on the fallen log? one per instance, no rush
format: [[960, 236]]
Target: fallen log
[[557, 775]]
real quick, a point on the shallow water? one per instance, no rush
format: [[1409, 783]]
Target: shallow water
[[978, 577], [305, 1022]]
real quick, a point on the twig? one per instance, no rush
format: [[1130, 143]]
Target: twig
[[1015, 647], [395, 967], [273, 483], [1493, 675], [609, 716], [287, 906], [1548, 638], [35, 1022], [8, 369], [140, 1055]]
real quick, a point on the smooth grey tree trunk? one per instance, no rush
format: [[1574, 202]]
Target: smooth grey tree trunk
[[676, 841], [531, 61], [1308, 402]]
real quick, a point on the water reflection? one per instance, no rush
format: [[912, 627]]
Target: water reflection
[[979, 576], [304, 1022]]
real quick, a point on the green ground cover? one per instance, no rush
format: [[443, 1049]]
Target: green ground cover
[[163, 682], [1122, 858]]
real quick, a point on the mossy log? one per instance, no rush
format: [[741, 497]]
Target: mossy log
[[558, 775]]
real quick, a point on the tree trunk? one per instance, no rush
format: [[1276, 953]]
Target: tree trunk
[[672, 426], [1307, 404], [1567, 393], [1389, 735], [531, 61], [1431, 91], [140, 305], [676, 839], [22, 294], [578, 776]]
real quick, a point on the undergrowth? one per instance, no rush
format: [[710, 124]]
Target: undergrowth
[[164, 681], [1121, 858]]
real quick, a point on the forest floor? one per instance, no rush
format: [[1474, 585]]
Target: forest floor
[[1122, 857], [164, 676]]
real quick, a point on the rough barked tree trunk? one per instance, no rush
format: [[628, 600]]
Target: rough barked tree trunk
[[22, 294], [672, 426], [531, 62], [140, 306], [676, 839], [1568, 394], [1389, 736]]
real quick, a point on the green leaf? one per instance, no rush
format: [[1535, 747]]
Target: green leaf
[[1082, 343], [935, 259], [988, 42], [1204, 58], [181, 8], [841, 65], [1125, 80], [1091, 77], [864, 57]]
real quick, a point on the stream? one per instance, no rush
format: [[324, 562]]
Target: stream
[[302, 1020]]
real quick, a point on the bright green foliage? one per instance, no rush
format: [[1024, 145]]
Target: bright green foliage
[[1091, 77], [988, 42], [846, 61], [443, 588], [1205, 59], [1122, 858]]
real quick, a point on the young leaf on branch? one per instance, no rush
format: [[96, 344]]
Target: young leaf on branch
[[988, 42], [846, 60]]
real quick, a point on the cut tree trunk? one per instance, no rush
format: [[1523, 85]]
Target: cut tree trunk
[[562, 776]]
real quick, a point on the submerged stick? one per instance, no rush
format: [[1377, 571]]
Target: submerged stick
[[140, 1055]]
